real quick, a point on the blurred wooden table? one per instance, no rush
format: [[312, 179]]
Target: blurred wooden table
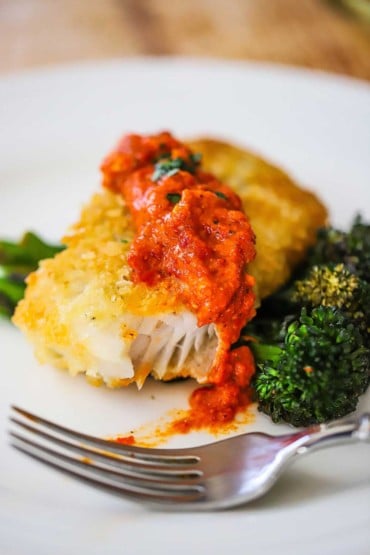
[[309, 33]]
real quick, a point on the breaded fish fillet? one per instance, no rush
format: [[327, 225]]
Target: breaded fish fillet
[[82, 312]]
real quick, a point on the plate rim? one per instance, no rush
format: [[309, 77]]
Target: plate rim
[[262, 66]]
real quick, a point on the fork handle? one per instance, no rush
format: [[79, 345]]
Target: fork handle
[[347, 430]]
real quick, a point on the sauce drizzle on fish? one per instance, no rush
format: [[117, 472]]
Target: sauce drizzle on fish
[[191, 232]]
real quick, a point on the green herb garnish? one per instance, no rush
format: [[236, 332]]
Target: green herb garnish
[[196, 158], [173, 197], [165, 167], [163, 156], [220, 195]]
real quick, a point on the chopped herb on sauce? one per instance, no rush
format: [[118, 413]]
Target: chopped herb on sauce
[[196, 158], [165, 167], [173, 197], [220, 195], [163, 156]]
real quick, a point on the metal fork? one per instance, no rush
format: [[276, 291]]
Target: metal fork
[[219, 475]]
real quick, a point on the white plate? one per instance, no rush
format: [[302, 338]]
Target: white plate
[[56, 127]]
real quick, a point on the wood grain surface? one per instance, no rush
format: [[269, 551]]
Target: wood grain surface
[[310, 33]]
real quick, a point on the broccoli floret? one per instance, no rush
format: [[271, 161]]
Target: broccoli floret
[[331, 285], [317, 373], [336, 286], [351, 249], [313, 363]]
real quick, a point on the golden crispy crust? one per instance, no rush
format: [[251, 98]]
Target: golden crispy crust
[[97, 247], [94, 263]]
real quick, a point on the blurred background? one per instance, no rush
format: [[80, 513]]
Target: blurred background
[[332, 35]]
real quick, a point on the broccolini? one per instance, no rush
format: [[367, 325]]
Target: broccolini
[[17, 260], [313, 362], [351, 248], [317, 373], [336, 286]]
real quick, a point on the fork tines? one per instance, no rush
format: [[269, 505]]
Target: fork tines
[[153, 476]]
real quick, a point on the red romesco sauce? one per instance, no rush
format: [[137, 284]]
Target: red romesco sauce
[[191, 229]]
